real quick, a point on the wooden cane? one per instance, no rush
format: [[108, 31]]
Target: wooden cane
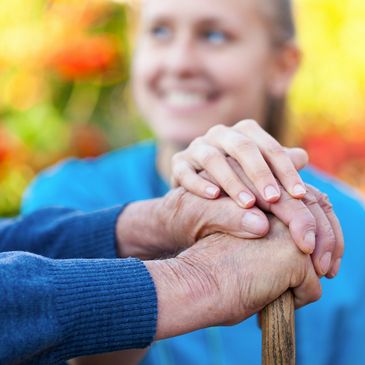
[[278, 331]]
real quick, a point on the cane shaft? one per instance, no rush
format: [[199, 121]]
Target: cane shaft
[[278, 331]]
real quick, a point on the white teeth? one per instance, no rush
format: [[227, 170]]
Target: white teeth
[[185, 99]]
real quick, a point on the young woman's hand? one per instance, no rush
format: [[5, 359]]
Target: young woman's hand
[[260, 156], [312, 223]]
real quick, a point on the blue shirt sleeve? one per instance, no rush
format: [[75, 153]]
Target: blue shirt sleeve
[[62, 233], [54, 310]]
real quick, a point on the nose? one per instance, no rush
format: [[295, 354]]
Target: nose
[[182, 58]]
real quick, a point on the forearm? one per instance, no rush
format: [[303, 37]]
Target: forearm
[[187, 297], [62, 233], [186, 302], [71, 308]]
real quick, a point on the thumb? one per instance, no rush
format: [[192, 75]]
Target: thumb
[[225, 216]]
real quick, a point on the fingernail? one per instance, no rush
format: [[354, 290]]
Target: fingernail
[[299, 190], [253, 223], [212, 191], [336, 268], [309, 241], [271, 192], [325, 262], [246, 198]]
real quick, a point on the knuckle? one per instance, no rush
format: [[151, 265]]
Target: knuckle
[[316, 294], [310, 199], [325, 203], [177, 157], [308, 221], [276, 150], [290, 173], [239, 149], [196, 143], [262, 174], [178, 167], [313, 189], [242, 145], [207, 155], [247, 124], [181, 170], [217, 130], [179, 175]]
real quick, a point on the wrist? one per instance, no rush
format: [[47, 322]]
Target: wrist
[[139, 230], [187, 296]]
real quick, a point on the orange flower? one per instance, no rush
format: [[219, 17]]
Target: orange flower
[[85, 57]]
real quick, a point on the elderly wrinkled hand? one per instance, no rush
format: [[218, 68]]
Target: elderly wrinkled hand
[[222, 280], [155, 228]]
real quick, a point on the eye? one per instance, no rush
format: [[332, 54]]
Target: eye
[[161, 32], [215, 36]]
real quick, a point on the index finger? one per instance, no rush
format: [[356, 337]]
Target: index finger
[[276, 157], [292, 212]]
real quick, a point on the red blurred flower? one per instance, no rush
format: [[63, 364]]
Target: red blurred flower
[[85, 57], [7, 145], [327, 151], [88, 141], [357, 149]]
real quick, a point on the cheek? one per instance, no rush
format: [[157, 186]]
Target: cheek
[[243, 80], [144, 71], [138, 76], [240, 72]]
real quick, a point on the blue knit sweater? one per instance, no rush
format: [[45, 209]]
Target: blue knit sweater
[[56, 308]]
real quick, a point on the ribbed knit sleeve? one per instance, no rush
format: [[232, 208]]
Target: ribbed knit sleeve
[[62, 233], [53, 310]]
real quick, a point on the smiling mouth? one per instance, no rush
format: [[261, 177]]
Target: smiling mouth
[[188, 99]]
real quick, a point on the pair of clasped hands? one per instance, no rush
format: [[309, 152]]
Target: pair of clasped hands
[[240, 228]]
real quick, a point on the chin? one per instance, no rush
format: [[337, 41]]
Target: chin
[[182, 139], [182, 131]]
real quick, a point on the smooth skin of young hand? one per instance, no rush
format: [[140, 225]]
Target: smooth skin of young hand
[[265, 162], [311, 221]]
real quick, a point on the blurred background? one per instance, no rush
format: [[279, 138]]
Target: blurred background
[[64, 86]]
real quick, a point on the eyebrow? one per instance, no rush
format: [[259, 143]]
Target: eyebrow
[[151, 20], [212, 20], [166, 18]]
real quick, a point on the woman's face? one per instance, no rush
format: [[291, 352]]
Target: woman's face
[[201, 63]]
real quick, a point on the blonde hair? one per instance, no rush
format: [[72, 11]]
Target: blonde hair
[[279, 17]]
